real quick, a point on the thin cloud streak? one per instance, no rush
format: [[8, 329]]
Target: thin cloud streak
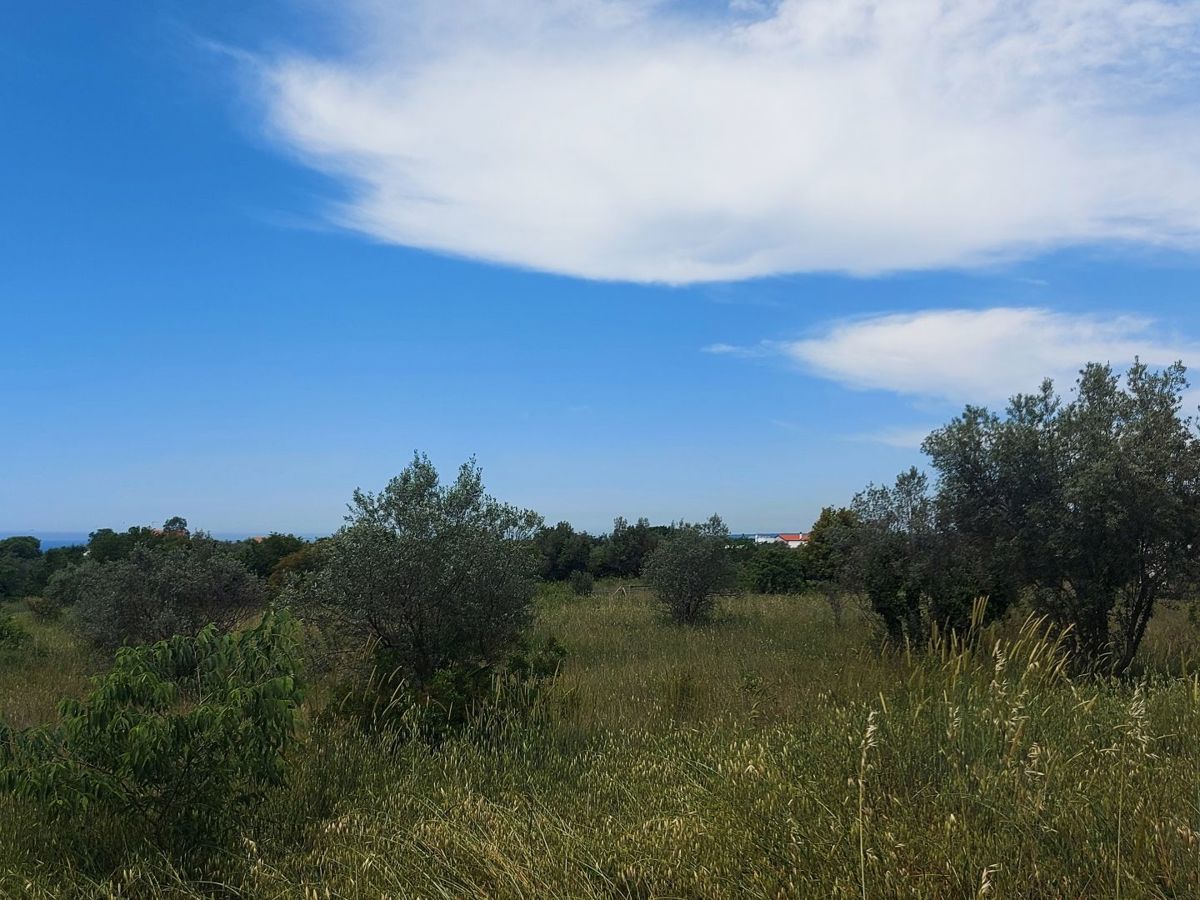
[[618, 139]]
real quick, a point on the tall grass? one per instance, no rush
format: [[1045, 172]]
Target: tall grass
[[767, 755]]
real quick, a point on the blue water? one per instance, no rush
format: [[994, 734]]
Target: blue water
[[51, 539]]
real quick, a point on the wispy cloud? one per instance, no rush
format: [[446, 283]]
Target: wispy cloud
[[978, 356], [627, 139], [766, 348], [900, 437]]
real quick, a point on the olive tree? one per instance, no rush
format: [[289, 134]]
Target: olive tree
[[690, 568], [437, 575], [1094, 503]]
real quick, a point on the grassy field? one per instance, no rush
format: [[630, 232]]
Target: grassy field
[[771, 754]]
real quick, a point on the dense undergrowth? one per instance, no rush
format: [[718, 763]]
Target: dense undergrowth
[[770, 754]]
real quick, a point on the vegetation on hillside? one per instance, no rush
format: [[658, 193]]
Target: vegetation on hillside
[[979, 680]]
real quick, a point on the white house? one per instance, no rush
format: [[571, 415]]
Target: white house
[[794, 540]]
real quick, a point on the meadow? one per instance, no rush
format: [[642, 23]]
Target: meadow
[[769, 754]]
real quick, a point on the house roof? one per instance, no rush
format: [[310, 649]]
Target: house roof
[[793, 537]]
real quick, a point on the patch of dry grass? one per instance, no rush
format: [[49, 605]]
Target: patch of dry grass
[[767, 755]]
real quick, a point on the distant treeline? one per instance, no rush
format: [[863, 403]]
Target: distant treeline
[[26, 570], [622, 553]]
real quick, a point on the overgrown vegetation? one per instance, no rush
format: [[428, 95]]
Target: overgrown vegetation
[[1027, 725], [717, 762], [168, 748]]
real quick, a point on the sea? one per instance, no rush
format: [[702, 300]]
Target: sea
[[51, 539]]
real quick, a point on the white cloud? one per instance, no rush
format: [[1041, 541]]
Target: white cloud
[[766, 348], [978, 356], [628, 139]]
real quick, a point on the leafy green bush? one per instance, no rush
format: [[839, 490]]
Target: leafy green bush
[[174, 742], [582, 583], [775, 569], [689, 568]]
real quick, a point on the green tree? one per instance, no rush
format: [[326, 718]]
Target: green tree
[[176, 525], [828, 555], [440, 576], [64, 587], [297, 565], [155, 594], [53, 561], [563, 551], [106, 545], [20, 565], [262, 555], [690, 568], [1094, 504], [627, 547], [775, 569], [915, 573]]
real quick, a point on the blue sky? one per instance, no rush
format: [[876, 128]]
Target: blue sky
[[640, 258]]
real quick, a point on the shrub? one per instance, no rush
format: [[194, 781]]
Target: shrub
[[64, 586], [563, 551], [916, 574], [775, 570], [689, 569], [437, 576], [154, 594], [296, 566], [44, 609], [12, 636], [20, 566], [261, 555], [175, 741], [582, 583]]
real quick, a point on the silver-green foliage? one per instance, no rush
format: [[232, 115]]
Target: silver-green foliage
[[690, 568], [439, 575], [173, 742]]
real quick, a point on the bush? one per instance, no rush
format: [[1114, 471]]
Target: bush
[[582, 583], [175, 741], [296, 566], [64, 587], [154, 594], [437, 576], [44, 609], [12, 636], [775, 570], [456, 695], [689, 569]]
